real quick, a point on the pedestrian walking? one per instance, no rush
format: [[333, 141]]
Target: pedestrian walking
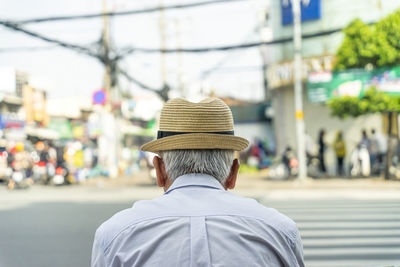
[[340, 149], [310, 146], [365, 141], [374, 152], [197, 222], [365, 154], [382, 149], [321, 150]]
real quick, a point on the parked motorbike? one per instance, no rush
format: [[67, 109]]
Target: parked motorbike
[[40, 172], [287, 166], [61, 176], [18, 180], [5, 170]]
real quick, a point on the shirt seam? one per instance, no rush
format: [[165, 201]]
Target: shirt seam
[[203, 215], [191, 185]]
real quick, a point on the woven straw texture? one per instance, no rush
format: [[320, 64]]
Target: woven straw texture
[[209, 115]]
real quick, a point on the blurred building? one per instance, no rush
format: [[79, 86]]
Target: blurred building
[[318, 54], [35, 104], [253, 121], [12, 81], [12, 115]]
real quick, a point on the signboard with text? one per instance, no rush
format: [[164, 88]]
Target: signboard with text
[[310, 10], [325, 85], [282, 74]]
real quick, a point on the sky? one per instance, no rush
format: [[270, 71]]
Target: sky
[[63, 72]]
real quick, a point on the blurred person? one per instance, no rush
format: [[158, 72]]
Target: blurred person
[[4, 166], [10, 152], [21, 166], [374, 152], [52, 153], [254, 157], [287, 156], [340, 149], [365, 153], [382, 148], [365, 141], [52, 161], [261, 151], [310, 146], [43, 151], [88, 156], [321, 150], [60, 150], [140, 158], [197, 222], [360, 162], [365, 161]]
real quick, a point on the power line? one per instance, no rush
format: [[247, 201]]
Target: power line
[[26, 48], [131, 50], [75, 47], [85, 50], [123, 13], [218, 65], [162, 92], [137, 82], [127, 51]]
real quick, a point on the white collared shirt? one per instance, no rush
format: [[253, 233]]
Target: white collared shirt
[[198, 223]]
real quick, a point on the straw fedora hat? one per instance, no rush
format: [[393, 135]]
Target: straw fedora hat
[[204, 125]]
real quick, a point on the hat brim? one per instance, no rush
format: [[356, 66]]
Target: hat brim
[[196, 141]]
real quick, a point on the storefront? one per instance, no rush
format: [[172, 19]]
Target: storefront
[[317, 115]]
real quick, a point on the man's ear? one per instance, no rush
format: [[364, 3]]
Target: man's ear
[[231, 181], [160, 171]]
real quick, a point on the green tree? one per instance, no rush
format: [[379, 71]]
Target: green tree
[[364, 45], [373, 101], [375, 45]]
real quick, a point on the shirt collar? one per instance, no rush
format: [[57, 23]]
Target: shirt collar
[[195, 179]]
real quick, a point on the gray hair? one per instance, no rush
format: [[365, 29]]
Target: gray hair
[[214, 162]]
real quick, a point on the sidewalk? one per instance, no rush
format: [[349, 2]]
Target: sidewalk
[[129, 189], [258, 186], [260, 181], [373, 188]]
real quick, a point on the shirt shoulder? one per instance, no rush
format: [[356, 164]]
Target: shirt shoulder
[[271, 217], [111, 228]]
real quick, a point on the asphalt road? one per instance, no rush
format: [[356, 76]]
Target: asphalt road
[[55, 226], [51, 234]]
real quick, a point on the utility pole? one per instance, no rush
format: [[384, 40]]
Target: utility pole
[[109, 147], [298, 90], [162, 44], [179, 57], [106, 54]]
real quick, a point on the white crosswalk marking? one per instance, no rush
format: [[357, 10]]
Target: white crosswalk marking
[[346, 232]]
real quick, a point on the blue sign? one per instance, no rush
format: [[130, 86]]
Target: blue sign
[[10, 121], [99, 97], [310, 10]]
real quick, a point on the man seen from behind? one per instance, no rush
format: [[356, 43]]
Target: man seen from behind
[[197, 222]]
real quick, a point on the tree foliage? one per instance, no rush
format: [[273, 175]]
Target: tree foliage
[[377, 44], [373, 101]]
